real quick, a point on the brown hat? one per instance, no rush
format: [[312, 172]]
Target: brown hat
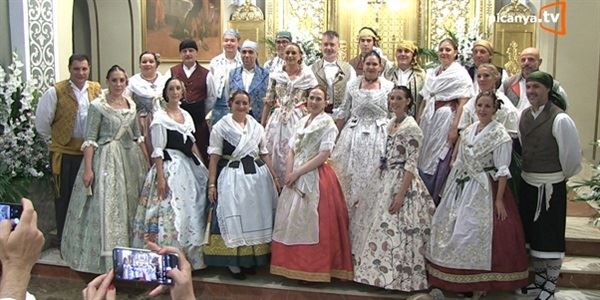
[[485, 44]]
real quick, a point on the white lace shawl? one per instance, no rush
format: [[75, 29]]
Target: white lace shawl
[[158, 130], [245, 144], [450, 84]]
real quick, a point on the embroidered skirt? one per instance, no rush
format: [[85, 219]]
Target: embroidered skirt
[[509, 268]]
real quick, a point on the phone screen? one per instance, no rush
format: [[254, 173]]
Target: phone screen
[[143, 265], [12, 212]]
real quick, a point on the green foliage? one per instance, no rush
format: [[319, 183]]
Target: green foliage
[[11, 190], [427, 58]]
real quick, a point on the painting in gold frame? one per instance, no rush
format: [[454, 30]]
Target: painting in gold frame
[[166, 22]]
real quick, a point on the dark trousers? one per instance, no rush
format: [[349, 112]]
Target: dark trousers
[[196, 111], [68, 174], [547, 233]]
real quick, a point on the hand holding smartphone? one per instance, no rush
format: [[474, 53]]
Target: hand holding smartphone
[[12, 212], [141, 265]]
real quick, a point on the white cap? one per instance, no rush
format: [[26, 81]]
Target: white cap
[[250, 44]]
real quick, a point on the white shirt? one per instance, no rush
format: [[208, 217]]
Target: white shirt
[[247, 76], [220, 67], [331, 70], [189, 71], [403, 76], [46, 110], [274, 65]]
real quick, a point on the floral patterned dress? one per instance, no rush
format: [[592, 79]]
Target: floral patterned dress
[[360, 144], [99, 217], [289, 96], [391, 255], [179, 219]]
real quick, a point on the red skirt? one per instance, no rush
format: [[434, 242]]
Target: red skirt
[[510, 267], [331, 257]]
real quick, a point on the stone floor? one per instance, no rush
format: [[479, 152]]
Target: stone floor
[[213, 284], [49, 288], [58, 282]]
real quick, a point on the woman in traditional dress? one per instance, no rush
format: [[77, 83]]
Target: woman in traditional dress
[[392, 253], [447, 88], [310, 239], [127, 270], [407, 72], [172, 206], [477, 242], [363, 116], [242, 190], [488, 78], [286, 93], [109, 181], [145, 89]]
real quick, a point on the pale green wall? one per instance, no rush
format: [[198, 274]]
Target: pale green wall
[[115, 32], [5, 50]]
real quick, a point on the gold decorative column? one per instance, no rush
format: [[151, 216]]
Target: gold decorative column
[[392, 19], [511, 38], [443, 15], [249, 20]]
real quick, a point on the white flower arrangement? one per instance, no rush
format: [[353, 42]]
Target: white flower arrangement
[[23, 152]]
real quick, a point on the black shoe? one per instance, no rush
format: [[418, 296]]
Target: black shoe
[[249, 271], [238, 276]]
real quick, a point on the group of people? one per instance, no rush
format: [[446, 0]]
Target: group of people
[[381, 173]]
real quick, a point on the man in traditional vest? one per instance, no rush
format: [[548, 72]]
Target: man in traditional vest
[[200, 91], [514, 87], [61, 116], [483, 52], [551, 155], [250, 77], [331, 72]]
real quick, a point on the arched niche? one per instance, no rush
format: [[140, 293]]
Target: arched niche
[[110, 32]]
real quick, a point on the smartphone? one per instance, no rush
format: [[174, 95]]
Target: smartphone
[[141, 265], [12, 212]]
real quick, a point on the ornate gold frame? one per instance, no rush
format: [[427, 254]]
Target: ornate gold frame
[[203, 56]]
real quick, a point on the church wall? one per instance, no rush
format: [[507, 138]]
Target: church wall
[[574, 59], [115, 31], [5, 46], [63, 15]]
